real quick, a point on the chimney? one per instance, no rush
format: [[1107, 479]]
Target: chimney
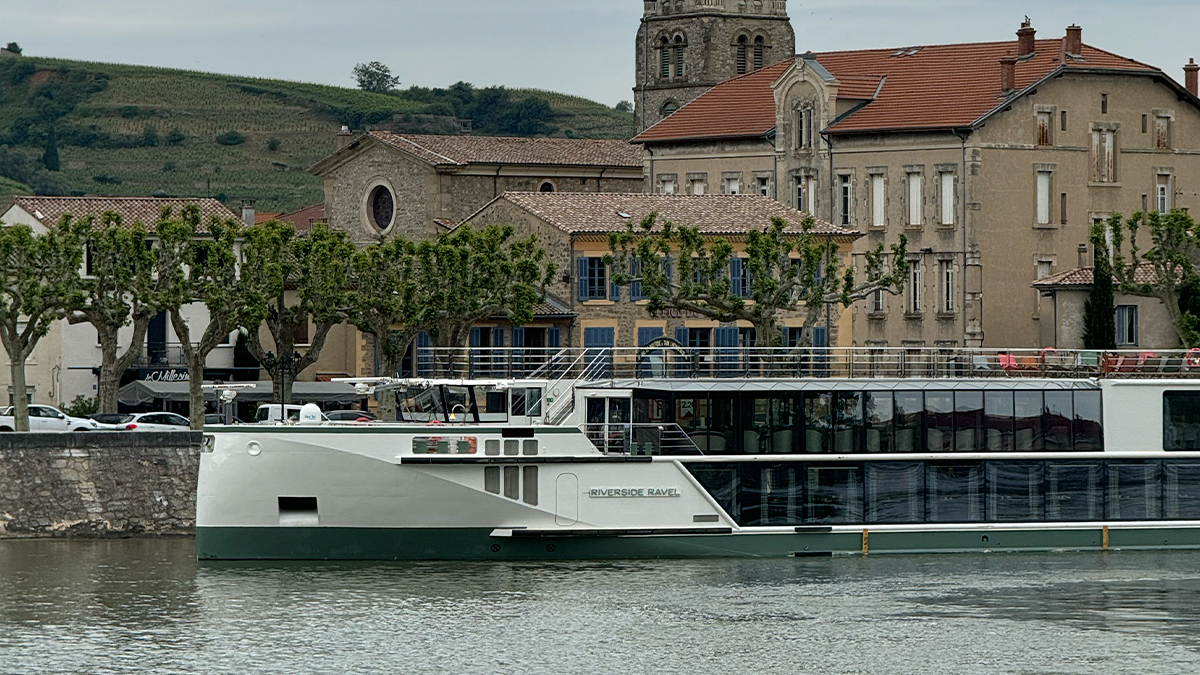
[[1025, 40], [1073, 42], [1008, 74], [1190, 77], [343, 138], [248, 211], [1083, 256]]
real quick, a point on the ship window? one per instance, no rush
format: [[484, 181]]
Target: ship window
[[895, 492], [968, 421], [835, 495], [879, 415], [1133, 490], [1181, 489], [491, 447], [512, 482], [998, 411], [954, 492], [529, 447], [1028, 413], [1089, 430], [512, 446], [939, 421], [491, 479], [909, 421], [1015, 491], [1074, 491], [1181, 420], [529, 480], [1057, 421], [817, 422]]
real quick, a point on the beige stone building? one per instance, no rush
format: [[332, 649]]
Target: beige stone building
[[993, 159], [382, 184], [1142, 323], [574, 229]]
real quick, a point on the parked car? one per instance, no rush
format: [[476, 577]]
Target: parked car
[[152, 421], [271, 413], [48, 418], [350, 416]]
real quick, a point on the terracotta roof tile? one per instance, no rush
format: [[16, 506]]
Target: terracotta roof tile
[[937, 86], [144, 210], [462, 150], [1084, 276], [583, 213]]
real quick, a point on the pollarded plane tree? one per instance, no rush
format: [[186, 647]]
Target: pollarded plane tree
[[1169, 270], [781, 269]]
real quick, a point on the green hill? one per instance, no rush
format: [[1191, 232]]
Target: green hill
[[136, 130]]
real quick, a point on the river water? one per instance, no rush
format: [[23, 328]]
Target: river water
[[148, 607]]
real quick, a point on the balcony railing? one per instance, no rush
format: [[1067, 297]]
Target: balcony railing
[[620, 363]]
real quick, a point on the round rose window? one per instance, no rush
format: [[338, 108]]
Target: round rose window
[[383, 208]]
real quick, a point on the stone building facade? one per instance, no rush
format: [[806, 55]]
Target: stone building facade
[[384, 184], [992, 159], [684, 47], [1142, 323], [574, 230]]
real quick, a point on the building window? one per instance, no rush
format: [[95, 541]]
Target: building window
[[804, 128], [810, 193], [669, 108], [1062, 120], [740, 56], [697, 186], [846, 199], [1104, 156], [916, 288], [1044, 122], [946, 181], [1062, 209], [546, 186], [739, 277], [1103, 104], [878, 201], [1162, 133], [764, 186], [678, 56], [1145, 123], [593, 279], [1043, 197], [1045, 268], [699, 337], [1127, 325], [1163, 193], [877, 302], [760, 47], [383, 207], [667, 184], [946, 281], [733, 186], [664, 55], [916, 211]]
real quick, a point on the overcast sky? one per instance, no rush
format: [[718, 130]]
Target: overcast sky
[[573, 46]]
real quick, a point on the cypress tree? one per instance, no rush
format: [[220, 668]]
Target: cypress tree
[[1099, 310], [50, 157]]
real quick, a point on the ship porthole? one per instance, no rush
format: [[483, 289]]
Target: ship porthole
[[985, 538], [254, 448], [495, 548], [550, 548]]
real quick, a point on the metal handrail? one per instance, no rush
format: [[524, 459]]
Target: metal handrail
[[655, 438]]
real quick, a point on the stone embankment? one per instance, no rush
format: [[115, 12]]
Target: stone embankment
[[98, 484]]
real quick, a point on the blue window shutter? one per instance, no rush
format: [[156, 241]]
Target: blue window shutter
[[518, 337], [821, 336], [725, 337], [646, 334], [735, 277], [598, 337], [554, 338], [681, 335], [498, 336], [614, 291], [476, 337], [423, 339], [635, 288], [668, 268], [583, 279]]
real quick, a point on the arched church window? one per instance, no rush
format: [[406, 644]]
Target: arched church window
[[679, 55], [383, 207], [664, 56], [759, 50], [741, 54], [669, 108], [546, 186]]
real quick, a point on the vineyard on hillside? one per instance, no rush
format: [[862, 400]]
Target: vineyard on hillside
[[136, 130]]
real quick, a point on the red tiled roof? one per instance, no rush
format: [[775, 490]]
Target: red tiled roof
[[602, 212], [938, 86], [462, 150], [305, 218], [1084, 276], [144, 210]]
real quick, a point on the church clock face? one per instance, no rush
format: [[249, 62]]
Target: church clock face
[[382, 207]]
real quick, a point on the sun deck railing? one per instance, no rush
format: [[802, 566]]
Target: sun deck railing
[[621, 363]]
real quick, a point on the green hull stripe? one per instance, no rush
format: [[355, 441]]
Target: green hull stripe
[[318, 543]]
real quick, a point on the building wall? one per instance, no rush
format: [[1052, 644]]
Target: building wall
[[710, 163], [709, 33], [414, 184]]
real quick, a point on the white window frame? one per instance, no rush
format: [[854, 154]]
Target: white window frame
[[877, 301], [845, 198], [878, 200], [732, 186], [947, 185], [1045, 181], [1104, 143], [666, 186], [916, 287], [764, 185], [697, 185], [811, 193], [916, 199], [1127, 331], [946, 278], [1163, 193]]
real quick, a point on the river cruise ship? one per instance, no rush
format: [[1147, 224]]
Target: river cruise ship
[[668, 451]]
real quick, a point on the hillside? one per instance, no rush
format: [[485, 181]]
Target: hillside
[[135, 130]]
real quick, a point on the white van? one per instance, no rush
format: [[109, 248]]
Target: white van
[[272, 413]]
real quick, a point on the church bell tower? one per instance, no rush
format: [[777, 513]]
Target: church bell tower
[[685, 47]]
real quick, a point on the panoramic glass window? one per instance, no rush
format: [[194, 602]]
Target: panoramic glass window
[[382, 207], [1181, 420]]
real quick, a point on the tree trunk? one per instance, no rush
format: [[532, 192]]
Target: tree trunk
[[110, 377], [195, 389], [20, 403]]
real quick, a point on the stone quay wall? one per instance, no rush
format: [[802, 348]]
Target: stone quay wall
[[98, 484]]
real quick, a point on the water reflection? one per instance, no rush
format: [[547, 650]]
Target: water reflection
[[146, 606]]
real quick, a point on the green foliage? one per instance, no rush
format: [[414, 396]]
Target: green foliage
[[288, 280], [1099, 310], [20, 168], [383, 304], [273, 144], [792, 271], [50, 156], [492, 110], [624, 106], [175, 136], [1174, 257], [169, 166], [81, 406], [105, 179], [13, 47], [231, 137], [473, 274], [39, 279], [375, 77], [149, 136]]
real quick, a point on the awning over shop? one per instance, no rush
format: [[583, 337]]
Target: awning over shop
[[142, 392]]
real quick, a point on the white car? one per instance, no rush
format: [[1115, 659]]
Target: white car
[[153, 421], [49, 418]]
